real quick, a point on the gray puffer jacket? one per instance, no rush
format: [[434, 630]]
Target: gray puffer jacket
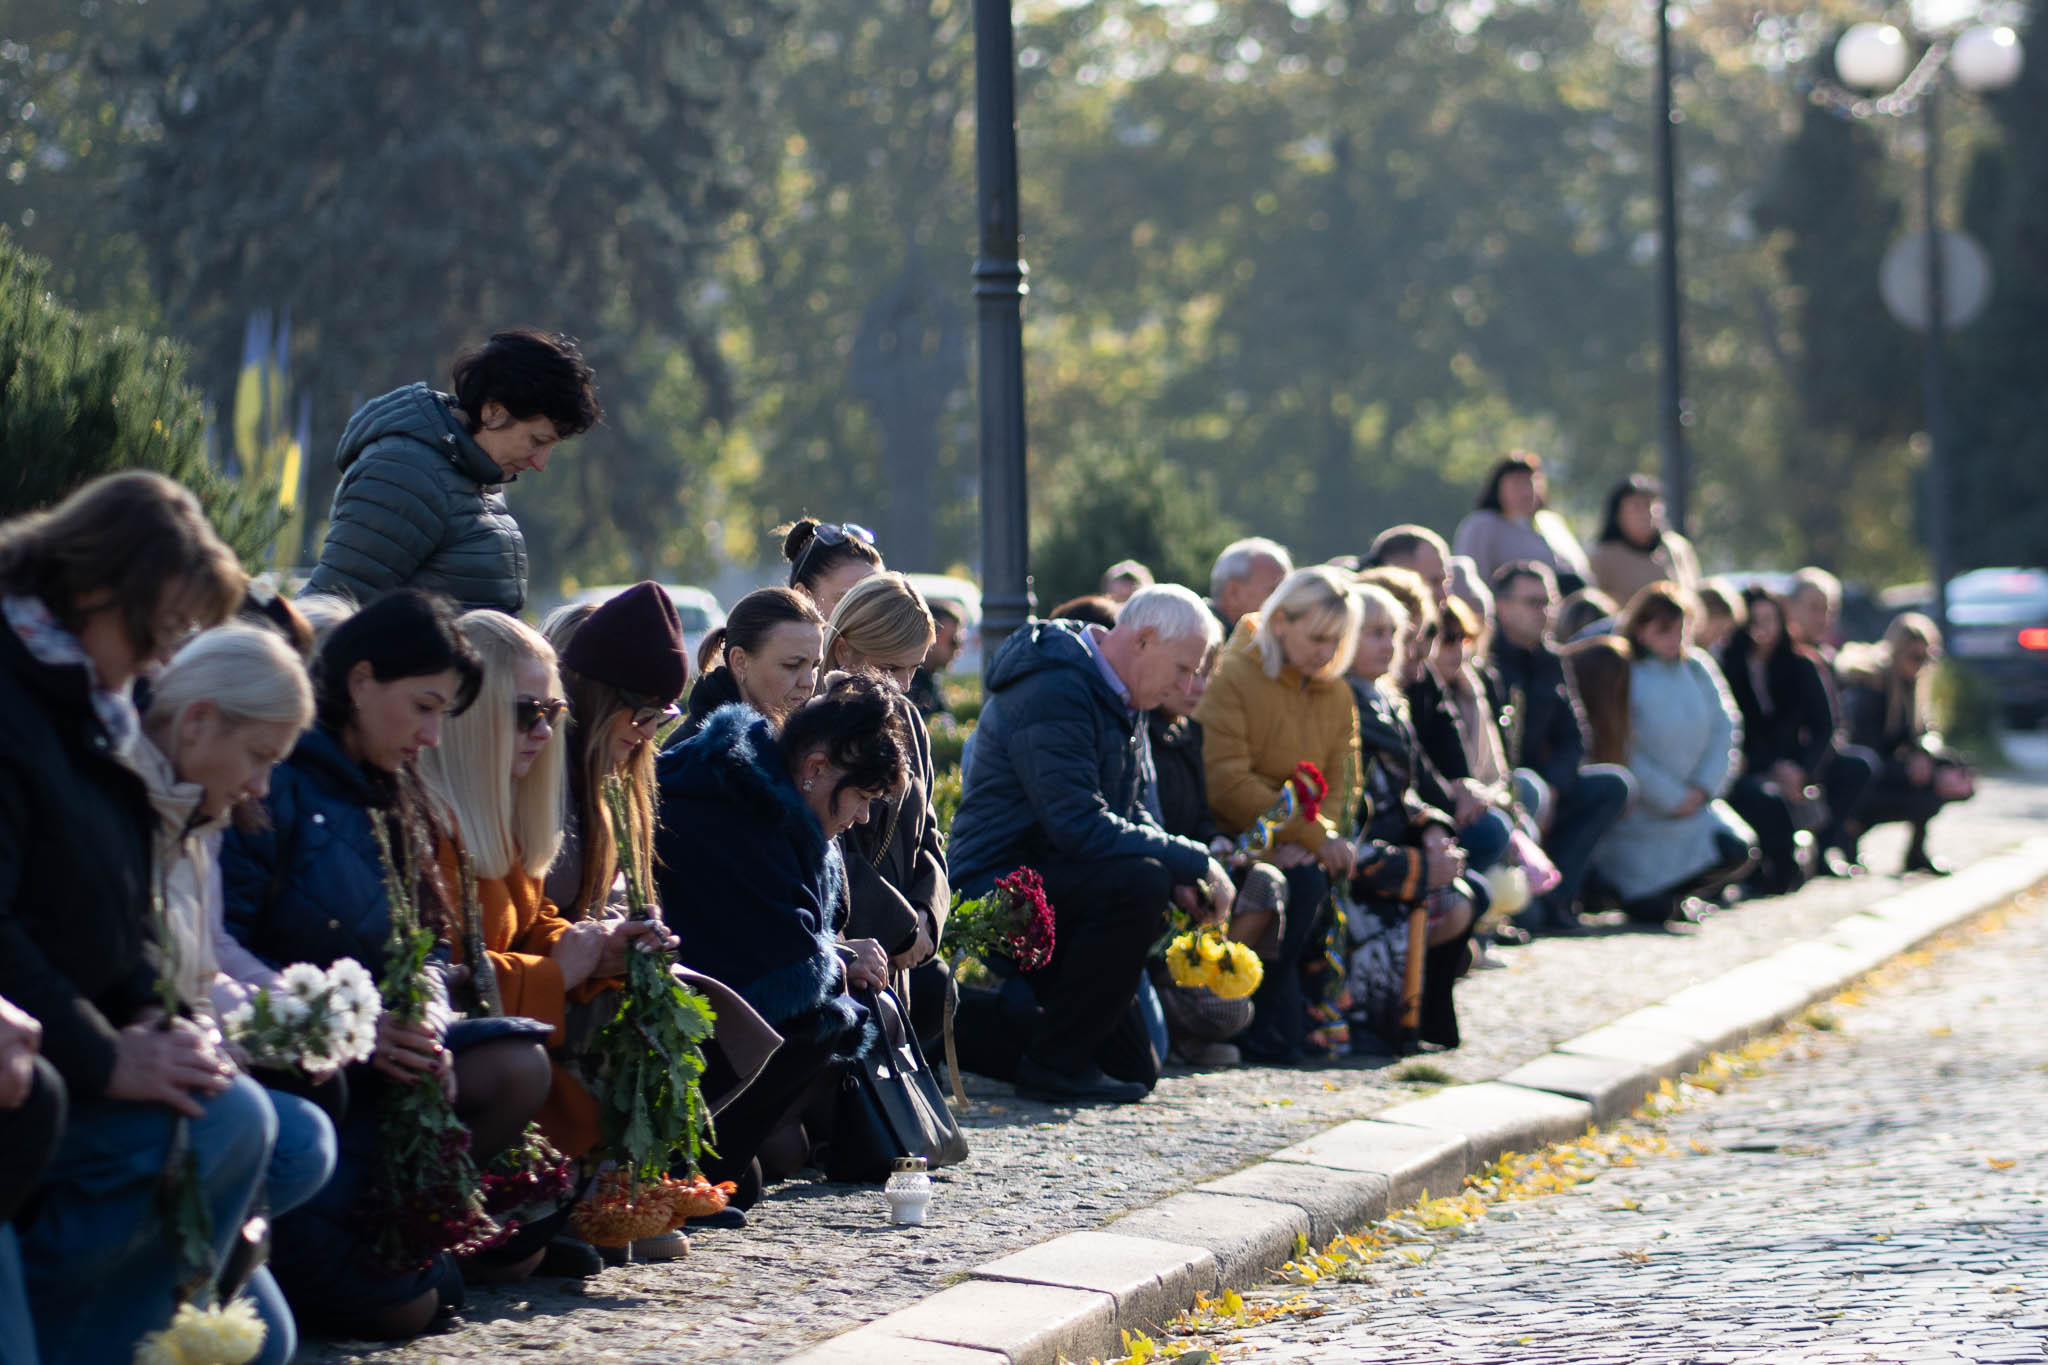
[[420, 505]]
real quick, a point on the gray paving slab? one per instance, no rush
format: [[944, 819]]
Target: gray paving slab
[[1149, 1280]]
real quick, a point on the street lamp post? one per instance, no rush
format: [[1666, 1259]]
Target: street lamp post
[[1670, 377], [999, 291], [1872, 57]]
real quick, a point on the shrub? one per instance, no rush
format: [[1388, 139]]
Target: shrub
[[81, 397]]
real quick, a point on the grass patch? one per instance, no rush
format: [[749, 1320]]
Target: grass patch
[[1422, 1073]]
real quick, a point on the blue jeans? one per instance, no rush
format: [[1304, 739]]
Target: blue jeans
[[299, 1166], [17, 1329], [98, 1269]]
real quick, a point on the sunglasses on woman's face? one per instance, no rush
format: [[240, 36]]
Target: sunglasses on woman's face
[[830, 533], [647, 711], [529, 712]]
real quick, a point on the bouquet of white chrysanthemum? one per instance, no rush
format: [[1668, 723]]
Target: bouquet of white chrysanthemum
[[314, 1020]]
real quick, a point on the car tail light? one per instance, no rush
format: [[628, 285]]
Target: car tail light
[[2034, 637]]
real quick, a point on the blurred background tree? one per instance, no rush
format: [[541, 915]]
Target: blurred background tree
[[1324, 259]]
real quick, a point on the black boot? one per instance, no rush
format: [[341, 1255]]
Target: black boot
[[1441, 968], [1917, 859]]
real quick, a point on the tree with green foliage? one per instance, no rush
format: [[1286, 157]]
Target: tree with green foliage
[[406, 178], [80, 398], [1129, 505]]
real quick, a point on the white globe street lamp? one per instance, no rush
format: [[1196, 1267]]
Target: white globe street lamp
[[1871, 57], [1874, 58], [1986, 58]]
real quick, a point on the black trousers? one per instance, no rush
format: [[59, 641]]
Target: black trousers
[[1759, 802], [796, 1073], [1106, 917], [1845, 780], [1280, 1007], [28, 1138]]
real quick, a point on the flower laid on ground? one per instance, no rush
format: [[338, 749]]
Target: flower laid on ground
[[428, 1196], [529, 1172], [205, 1336], [651, 1055], [313, 1021], [1203, 957], [1014, 920]]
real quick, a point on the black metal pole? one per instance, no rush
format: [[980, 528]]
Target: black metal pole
[[999, 296], [1934, 340], [1670, 378]]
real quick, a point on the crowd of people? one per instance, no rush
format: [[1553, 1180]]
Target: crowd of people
[[208, 790]]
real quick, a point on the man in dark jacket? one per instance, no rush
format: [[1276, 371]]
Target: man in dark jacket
[[1056, 783], [1546, 737], [421, 501]]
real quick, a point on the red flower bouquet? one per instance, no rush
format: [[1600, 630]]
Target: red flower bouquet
[[1014, 920]]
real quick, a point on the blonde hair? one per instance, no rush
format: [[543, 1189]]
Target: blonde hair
[[250, 674], [1378, 607], [1317, 597], [880, 616], [501, 822]]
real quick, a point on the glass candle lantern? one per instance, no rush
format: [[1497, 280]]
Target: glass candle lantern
[[909, 1190]]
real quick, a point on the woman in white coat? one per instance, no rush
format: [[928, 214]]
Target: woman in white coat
[[1679, 839]]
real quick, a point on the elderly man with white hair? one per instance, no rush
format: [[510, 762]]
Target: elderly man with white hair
[[1244, 577], [1057, 785]]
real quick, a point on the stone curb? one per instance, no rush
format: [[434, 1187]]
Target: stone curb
[[1071, 1296]]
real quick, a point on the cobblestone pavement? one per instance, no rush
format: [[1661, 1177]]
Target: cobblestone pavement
[[1878, 1193], [819, 1260]]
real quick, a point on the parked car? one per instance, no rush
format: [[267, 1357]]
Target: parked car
[[697, 608], [1998, 629]]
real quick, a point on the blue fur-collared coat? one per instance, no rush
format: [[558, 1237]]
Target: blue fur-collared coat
[[749, 882]]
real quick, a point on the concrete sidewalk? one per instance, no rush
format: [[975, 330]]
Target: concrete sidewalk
[[1070, 1296], [819, 1274]]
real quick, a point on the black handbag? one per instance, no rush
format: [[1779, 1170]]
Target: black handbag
[[889, 1106]]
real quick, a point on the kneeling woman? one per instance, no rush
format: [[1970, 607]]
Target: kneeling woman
[[1679, 839], [754, 884], [311, 888], [225, 712]]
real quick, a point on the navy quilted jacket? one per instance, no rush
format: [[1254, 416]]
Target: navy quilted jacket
[[420, 505]]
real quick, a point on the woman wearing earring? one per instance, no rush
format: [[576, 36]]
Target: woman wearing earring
[[767, 654], [422, 499], [311, 888], [826, 558], [752, 881]]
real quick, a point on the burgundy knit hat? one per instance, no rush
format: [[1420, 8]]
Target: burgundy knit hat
[[635, 643]]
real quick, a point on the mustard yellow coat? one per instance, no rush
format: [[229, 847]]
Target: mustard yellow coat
[[1255, 729]]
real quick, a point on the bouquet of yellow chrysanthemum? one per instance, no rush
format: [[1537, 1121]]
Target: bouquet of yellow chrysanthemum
[[1203, 957]]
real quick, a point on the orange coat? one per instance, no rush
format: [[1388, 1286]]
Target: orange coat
[[520, 927]]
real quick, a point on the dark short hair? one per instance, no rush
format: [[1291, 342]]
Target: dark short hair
[[944, 613], [131, 536], [530, 374], [1507, 575], [752, 620], [855, 722], [1090, 609], [1514, 462], [405, 633]]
